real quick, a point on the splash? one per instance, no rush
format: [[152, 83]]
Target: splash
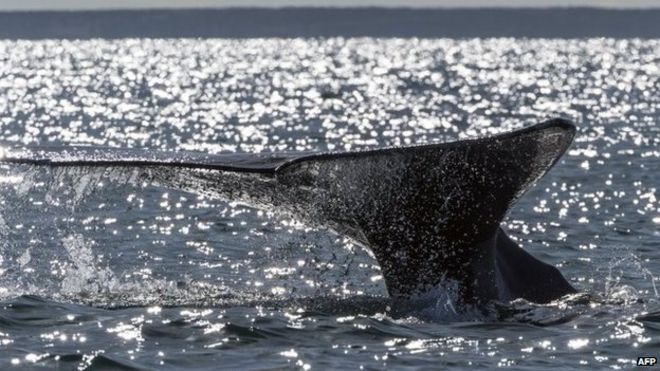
[[443, 303], [85, 276], [619, 271]]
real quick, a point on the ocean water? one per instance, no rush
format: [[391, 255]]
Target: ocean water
[[97, 272]]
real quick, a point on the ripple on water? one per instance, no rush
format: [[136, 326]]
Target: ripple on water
[[131, 275]]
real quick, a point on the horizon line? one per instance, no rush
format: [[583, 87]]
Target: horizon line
[[332, 22], [126, 5], [366, 7]]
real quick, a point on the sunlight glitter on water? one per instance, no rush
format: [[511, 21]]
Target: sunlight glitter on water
[[276, 287]]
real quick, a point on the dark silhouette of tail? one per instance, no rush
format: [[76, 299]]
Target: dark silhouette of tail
[[430, 214]]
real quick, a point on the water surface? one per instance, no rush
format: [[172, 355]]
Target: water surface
[[97, 271]]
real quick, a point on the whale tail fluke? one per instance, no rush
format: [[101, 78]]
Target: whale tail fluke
[[428, 213], [523, 276], [432, 213]]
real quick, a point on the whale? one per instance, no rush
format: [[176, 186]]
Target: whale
[[431, 214]]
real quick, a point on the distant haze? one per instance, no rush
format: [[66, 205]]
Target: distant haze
[[8, 5]]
